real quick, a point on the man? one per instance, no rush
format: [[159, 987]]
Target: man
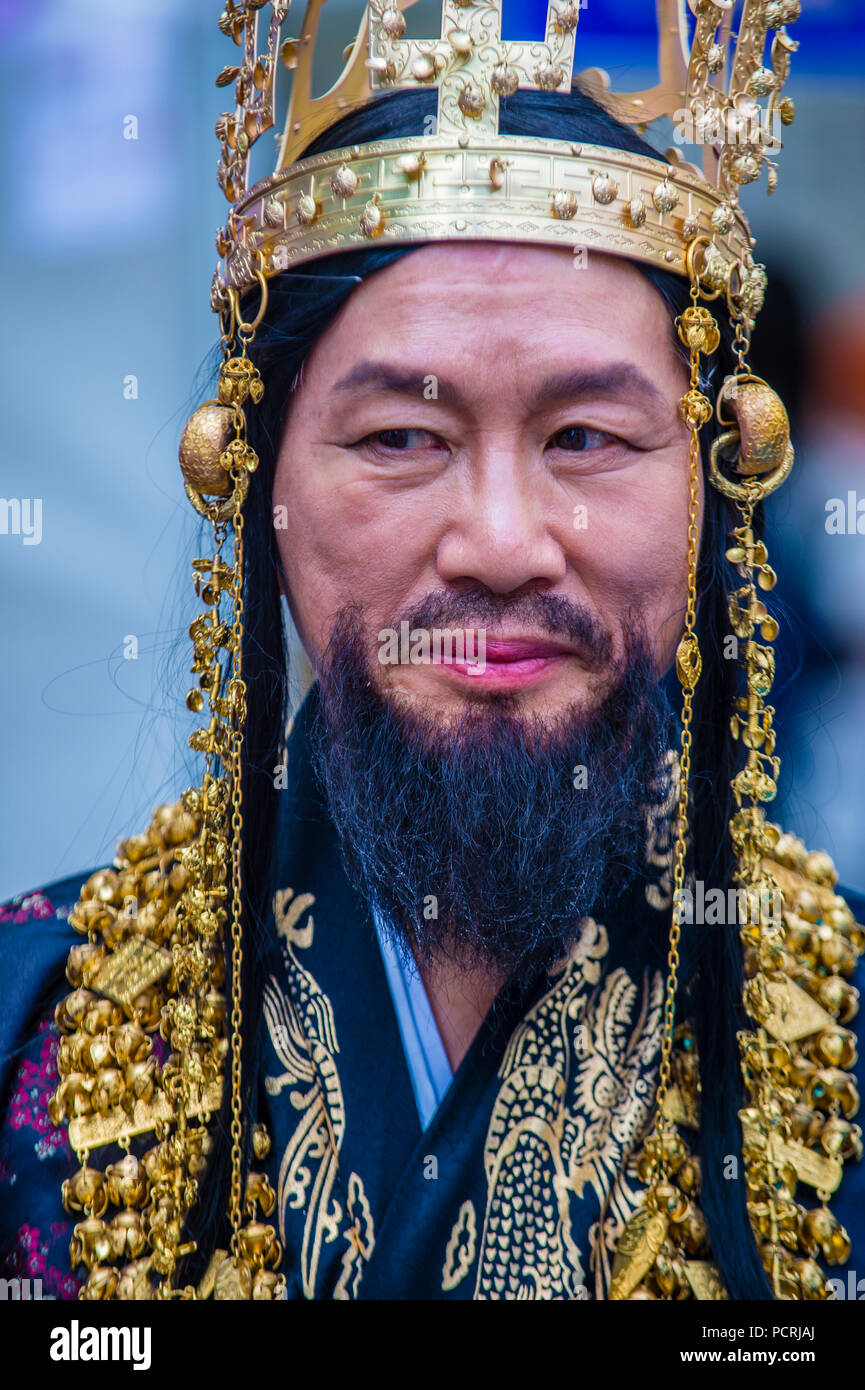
[[461, 964]]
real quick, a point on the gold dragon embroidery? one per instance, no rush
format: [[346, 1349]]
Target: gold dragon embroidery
[[574, 1101], [303, 1033], [660, 827]]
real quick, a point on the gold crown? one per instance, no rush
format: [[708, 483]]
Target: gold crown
[[467, 181]]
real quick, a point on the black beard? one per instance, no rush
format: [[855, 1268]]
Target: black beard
[[481, 841]]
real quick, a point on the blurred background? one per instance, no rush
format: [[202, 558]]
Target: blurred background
[[110, 209]]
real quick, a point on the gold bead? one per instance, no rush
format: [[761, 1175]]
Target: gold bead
[[698, 329], [812, 1280], [372, 218], [260, 1142], [344, 182], [761, 82], [233, 1280], [549, 76], [393, 23], [665, 196], [497, 173], [689, 663], [564, 204], [411, 164], [423, 68], [268, 1285], [205, 436], [604, 189], [274, 212], [567, 16], [101, 1284], [690, 228], [307, 210], [695, 409], [637, 212], [471, 100], [745, 168], [504, 80], [460, 42]]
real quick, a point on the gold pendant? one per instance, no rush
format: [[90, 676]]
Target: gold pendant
[[637, 1251], [128, 971], [232, 1281], [794, 1013], [704, 1282]]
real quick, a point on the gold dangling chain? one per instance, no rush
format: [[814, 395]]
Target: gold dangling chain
[[646, 1243]]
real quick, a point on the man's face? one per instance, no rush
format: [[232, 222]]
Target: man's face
[[489, 420]]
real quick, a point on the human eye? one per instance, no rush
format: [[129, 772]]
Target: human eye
[[580, 439], [400, 441]]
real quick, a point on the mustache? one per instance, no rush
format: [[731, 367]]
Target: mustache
[[552, 614]]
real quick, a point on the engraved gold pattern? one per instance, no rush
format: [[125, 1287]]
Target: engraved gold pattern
[[404, 191]]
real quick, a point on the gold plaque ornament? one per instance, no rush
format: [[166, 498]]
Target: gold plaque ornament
[[639, 1246], [163, 927]]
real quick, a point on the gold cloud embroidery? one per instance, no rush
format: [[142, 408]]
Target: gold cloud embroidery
[[460, 1252]]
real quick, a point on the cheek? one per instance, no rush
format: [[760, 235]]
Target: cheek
[[632, 556], [343, 542]]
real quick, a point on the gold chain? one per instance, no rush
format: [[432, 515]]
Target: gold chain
[[237, 693], [688, 665], [680, 848]]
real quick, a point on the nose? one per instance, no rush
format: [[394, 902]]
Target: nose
[[500, 532]]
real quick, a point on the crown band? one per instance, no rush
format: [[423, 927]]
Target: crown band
[[504, 188]]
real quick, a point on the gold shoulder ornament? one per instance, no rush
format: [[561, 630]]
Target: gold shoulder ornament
[[159, 926]]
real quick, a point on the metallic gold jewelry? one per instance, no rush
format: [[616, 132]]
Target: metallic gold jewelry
[[654, 1237], [469, 181], [797, 1044], [799, 938], [155, 955]]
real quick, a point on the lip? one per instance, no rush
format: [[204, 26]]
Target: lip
[[511, 663]]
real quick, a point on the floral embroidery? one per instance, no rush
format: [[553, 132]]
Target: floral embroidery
[[29, 1260], [34, 1084], [21, 909]]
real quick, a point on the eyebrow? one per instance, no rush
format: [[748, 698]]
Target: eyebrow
[[613, 381]]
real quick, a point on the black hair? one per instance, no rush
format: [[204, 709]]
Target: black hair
[[301, 306]]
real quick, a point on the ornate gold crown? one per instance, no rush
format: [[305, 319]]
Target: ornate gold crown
[[467, 181]]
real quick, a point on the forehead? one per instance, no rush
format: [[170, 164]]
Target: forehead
[[488, 308]]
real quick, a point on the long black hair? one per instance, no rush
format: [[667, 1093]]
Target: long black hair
[[301, 306]]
